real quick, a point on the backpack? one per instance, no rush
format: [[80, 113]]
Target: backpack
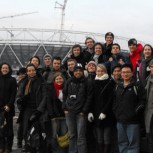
[[36, 138]]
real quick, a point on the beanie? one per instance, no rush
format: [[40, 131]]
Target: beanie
[[132, 41]]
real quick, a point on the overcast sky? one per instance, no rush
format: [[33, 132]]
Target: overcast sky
[[128, 18]]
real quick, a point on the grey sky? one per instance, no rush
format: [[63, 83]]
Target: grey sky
[[132, 18]]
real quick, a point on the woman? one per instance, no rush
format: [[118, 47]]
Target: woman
[[98, 56], [143, 69], [55, 111], [101, 111], [32, 98], [8, 88]]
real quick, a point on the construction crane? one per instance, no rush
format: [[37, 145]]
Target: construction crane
[[16, 15], [62, 7]]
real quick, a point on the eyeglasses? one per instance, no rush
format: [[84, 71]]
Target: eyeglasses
[[126, 72]]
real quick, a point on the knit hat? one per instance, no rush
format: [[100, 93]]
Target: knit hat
[[78, 66], [109, 34], [151, 62], [91, 62], [22, 70], [47, 55], [132, 41]]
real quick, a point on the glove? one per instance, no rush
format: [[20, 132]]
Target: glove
[[35, 116], [90, 117], [102, 116]]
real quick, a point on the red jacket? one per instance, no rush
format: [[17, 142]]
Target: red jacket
[[135, 56]]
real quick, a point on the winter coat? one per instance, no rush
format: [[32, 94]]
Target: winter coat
[[102, 101], [8, 89], [37, 96], [107, 50], [135, 56], [87, 55], [149, 104], [77, 95], [128, 102], [142, 70], [54, 105], [101, 59]]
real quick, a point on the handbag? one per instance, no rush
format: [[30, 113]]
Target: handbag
[[63, 141]]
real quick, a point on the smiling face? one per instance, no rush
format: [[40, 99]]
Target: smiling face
[[89, 43], [76, 51], [109, 40], [147, 52], [100, 71], [5, 69], [126, 73], [47, 61], [78, 73], [59, 80], [132, 48], [91, 68], [31, 72], [98, 49], [35, 62]]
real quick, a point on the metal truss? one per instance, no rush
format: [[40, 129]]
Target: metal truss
[[43, 37]]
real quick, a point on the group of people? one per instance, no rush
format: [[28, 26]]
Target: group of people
[[99, 96]]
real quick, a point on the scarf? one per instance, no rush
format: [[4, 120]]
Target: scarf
[[57, 88], [103, 77]]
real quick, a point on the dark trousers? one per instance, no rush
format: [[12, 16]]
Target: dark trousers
[[6, 133], [20, 132]]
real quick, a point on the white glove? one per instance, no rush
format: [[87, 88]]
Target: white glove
[[102, 116], [90, 117]]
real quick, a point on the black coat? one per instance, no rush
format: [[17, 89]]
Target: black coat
[[77, 95], [102, 103], [8, 89], [107, 50], [127, 101], [54, 105], [38, 95]]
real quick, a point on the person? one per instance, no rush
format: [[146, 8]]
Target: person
[[77, 54], [101, 109], [21, 76], [91, 69], [109, 38], [142, 67], [149, 109], [116, 57], [8, 89], [55, 111], [135, 52], [88, 51], [116, 73], [32, 100], [47, 59], [71, 63], [98, 55], [76, 101], [129, 100], [35, 60]]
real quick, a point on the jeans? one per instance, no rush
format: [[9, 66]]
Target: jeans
[[128, 138], [59, 127], [77, 130]]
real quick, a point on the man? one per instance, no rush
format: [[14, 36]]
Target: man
[[135, 51], [128, 103], [88, 51], [56, 67], [109, 38], [21, 77], [47, 68], [116, 72], [77, 99], [71, 63]]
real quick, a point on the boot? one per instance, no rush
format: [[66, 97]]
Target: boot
[[107, 148]]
